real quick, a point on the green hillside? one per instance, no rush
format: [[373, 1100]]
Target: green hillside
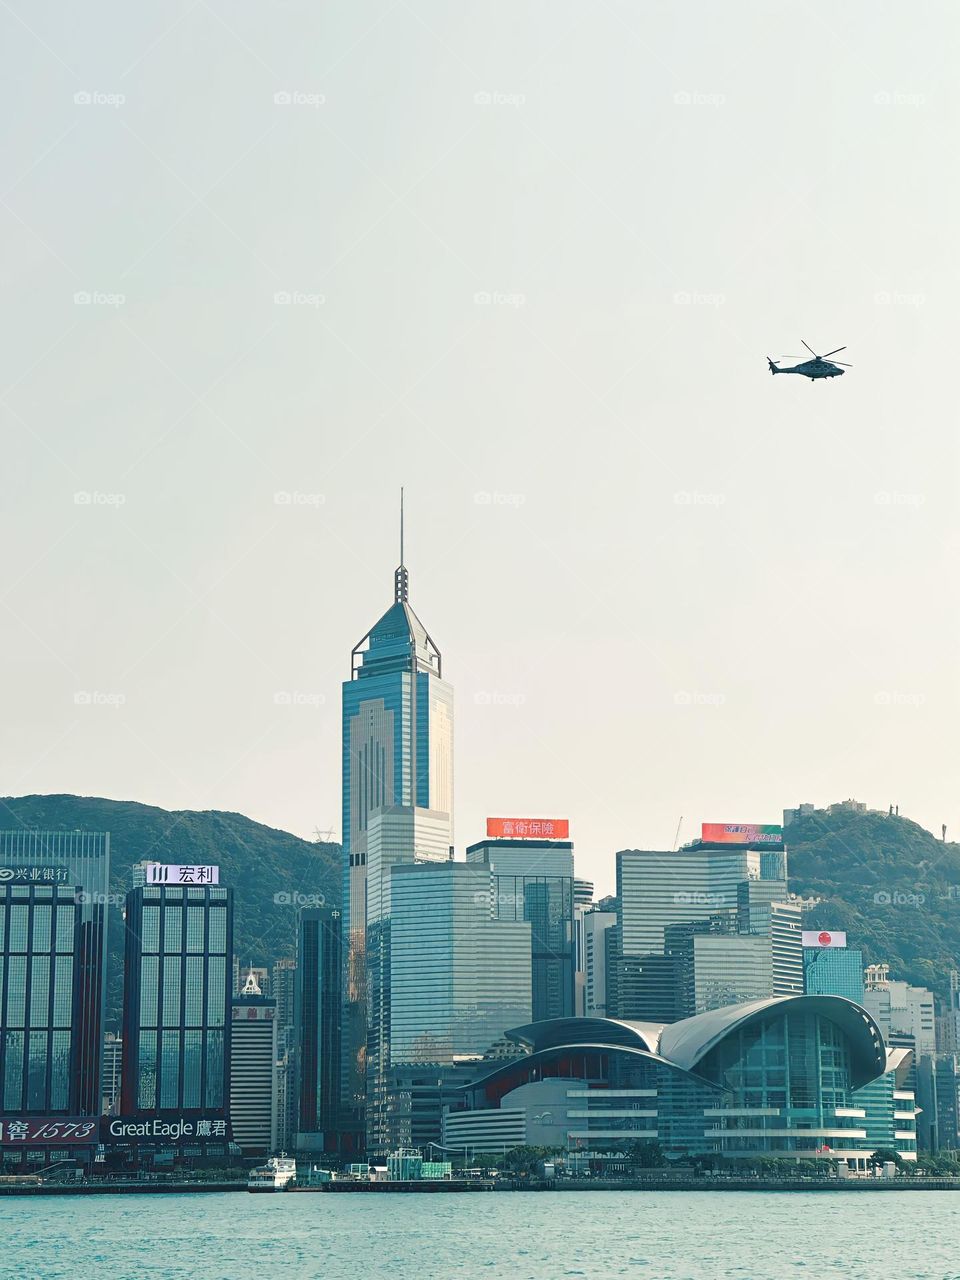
[[263, 866], [893, 886]]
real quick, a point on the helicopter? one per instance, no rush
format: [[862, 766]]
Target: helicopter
[[818, 367]]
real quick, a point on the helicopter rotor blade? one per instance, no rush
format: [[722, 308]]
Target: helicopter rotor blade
[[833, 352], [843, 362], [809, 348]]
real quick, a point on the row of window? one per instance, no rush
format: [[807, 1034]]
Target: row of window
[[53, 930]]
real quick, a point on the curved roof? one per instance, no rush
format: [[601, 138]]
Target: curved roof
[[553, 1033], [541, 1055], [686, 1043]]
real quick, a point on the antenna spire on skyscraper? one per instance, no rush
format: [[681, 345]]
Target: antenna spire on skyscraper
[[401, 577]]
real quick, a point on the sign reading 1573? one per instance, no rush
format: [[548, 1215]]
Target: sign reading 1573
[[37, 1129]]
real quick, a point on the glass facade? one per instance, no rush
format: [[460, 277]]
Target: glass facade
[[778, 1084], [833, 971], [533, 881], [39, 943], [397, 751], [317, 1021], [53, 888], [176, 999]]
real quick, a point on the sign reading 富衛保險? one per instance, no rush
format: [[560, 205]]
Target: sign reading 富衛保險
[[528, 828]]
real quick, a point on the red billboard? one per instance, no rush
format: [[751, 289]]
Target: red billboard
[[740, 833], [528, 828]]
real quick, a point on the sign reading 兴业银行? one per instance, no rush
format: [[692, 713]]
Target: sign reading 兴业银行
[[165, 873], [823, 938], [528, 828], [34, 875]]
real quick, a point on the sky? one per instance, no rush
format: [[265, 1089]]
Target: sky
[[263, 264]]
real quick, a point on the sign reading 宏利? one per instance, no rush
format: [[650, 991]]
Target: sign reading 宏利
[[34, 875], [165, 873], [740, 833], [46, 1131], [823, 938], [528, 828]]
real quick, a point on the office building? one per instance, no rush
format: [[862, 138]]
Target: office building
[[397, 751], [901, 1009], [641, 988], [451, 978], [773, 1078], [582, 903], [283, 982], [53, 938], [253, 1070], [834, 971], [938, 1096], [315, 1084], [595, 926], [111, 1073], [533, 880], [657, 888], [177, 1001], [717, 965]]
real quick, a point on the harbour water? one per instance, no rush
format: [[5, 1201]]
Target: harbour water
[[548, 1236]]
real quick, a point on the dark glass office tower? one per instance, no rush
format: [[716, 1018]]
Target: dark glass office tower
[[176, 1000], [317, 1023], [53, 891]]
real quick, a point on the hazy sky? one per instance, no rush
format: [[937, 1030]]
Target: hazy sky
[[526, 258]]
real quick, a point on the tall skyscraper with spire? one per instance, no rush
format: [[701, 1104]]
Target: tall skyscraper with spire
[[397, 788]]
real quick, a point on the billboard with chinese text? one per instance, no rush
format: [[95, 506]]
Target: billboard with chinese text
[[528, 828], [165, 873], [740, 833]]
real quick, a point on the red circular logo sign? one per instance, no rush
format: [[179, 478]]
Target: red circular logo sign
[[824, 939]]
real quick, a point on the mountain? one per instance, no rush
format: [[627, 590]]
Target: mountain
[[270, 871], [890, 884]]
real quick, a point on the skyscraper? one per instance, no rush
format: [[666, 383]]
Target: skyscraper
[[448, 980], [397, 751], [53, 893], [317, 1004], [253, 1070], [176, 1000], [533, 880]]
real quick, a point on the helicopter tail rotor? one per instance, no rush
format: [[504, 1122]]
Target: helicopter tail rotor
[[773, 367]]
